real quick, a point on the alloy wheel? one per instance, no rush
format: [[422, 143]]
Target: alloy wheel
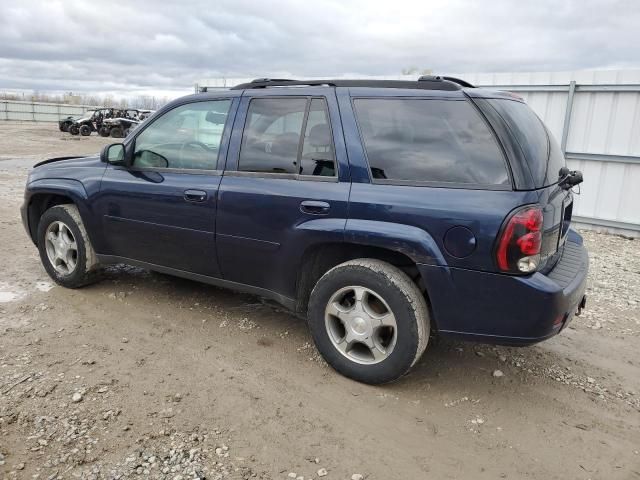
[[61, 247], [361, 325]]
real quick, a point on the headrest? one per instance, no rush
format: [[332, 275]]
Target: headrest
[[320, 135]]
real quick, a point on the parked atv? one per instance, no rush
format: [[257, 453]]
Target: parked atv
[[144, 114], [65, 123], [92, 121], [122, 123], [74, 127]]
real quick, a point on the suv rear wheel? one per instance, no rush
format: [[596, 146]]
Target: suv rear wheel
[[369, 320], [85, 130], [65, 250]]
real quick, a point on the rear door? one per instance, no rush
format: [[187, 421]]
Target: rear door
[[285, 187], [161, 210]]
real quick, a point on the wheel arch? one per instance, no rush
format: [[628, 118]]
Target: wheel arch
[[47, 193], [320, 258]]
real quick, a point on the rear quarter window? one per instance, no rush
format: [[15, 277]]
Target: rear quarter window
[[429, 141], [541, 150]]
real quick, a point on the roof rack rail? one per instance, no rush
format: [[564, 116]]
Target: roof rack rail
[[281, 82], [459, 81], [427, 82], [430, 78], [263, 80]]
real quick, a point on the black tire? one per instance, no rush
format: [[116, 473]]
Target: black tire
[[74, 129], [116, 132], [86, 269], [104, 131], [62, 127], [405, 301], [85, 130]]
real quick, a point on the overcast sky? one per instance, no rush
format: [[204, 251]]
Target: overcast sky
[[146, 46]]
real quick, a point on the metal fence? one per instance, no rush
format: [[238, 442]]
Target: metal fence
[[20, 111]]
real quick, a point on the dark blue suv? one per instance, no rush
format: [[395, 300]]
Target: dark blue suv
[[383, 212]]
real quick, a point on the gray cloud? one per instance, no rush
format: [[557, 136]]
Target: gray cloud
[[144, 46]]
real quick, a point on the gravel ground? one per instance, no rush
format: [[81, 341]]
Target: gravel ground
[[149, 376]]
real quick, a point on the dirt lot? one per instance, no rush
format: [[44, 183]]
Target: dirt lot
[[145, 375]]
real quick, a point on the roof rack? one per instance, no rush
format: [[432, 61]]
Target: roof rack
[[427, 82], [462, 83]]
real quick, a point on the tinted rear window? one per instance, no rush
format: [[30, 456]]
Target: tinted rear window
[[540, 148], [433, 141]]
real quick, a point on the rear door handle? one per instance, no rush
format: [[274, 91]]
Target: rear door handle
[[314, 207], [195, 196]]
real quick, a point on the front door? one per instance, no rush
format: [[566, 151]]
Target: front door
[[285, 187], [161, 210]]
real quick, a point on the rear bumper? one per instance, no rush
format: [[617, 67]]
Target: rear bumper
[[509, 310]]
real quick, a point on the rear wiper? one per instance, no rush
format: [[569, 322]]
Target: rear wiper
[[569, 178]]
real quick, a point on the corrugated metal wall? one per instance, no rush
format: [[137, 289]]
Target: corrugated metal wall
[[13, 110]]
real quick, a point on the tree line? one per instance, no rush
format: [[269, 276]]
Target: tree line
[[147, 102]]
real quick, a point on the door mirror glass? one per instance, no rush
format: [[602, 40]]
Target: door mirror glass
[[113, 154]]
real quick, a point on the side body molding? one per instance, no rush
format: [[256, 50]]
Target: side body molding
[[412, 241]]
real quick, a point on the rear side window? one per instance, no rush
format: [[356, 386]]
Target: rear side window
[[431, 141], [540, 148], [271, 137], [273, 140], [318, 158]]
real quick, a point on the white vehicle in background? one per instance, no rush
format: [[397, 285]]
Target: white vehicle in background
[[124, 122]]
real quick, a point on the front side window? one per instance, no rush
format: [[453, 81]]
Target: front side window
[[433, 141], [273, 140], [187, 137]]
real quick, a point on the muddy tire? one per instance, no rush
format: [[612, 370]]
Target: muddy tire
[[74, 129], [116, 132], [85, 130], [104, 131], [369, 320], [65, 249]]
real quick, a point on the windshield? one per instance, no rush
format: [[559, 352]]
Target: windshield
[[540, 148]]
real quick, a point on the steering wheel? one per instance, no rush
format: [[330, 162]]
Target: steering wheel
[[190, 143]]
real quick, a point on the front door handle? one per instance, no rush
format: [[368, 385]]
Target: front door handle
[[314, 207], [195, 196]]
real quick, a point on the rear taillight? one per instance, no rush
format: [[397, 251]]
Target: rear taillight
[[519, 243]]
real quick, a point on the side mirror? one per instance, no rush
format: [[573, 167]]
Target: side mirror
[[113, 154]]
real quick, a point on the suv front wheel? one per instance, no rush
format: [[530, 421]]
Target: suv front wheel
[[65, 250], [369, 320]]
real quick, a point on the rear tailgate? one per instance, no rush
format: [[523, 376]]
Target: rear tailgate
[[557, 207]]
